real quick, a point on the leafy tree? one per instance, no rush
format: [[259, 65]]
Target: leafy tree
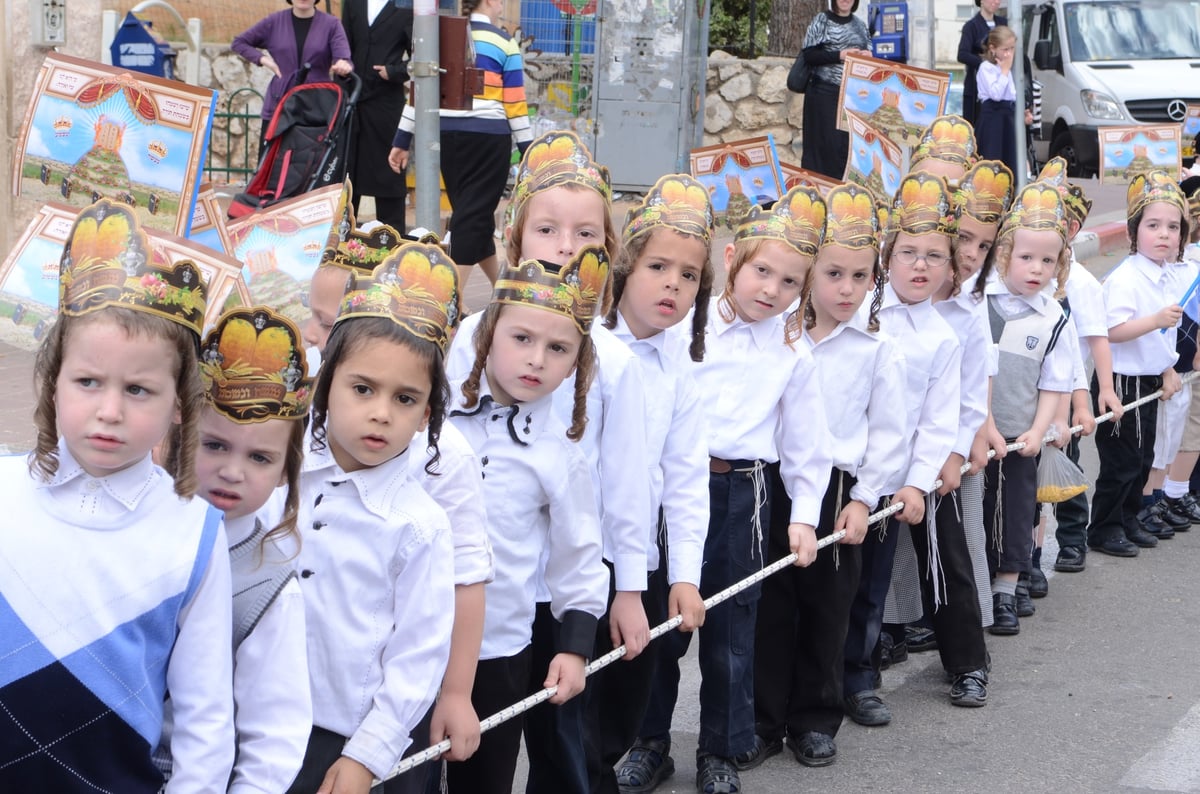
[[729, 28]]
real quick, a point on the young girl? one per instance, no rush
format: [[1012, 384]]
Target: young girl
[[804, 613], [1034, 374], [531, 337], [371, 536], [663, 272], [998, 99], [757, 380], [1138, 305], [140, 572]]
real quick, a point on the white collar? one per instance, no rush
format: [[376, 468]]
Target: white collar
[[656, 341], [1147, 267], [762, 331], [376, 485], [526, 421], [128, 486], [856, 324]]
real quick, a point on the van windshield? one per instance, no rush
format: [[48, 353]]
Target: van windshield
[[1133, 30]]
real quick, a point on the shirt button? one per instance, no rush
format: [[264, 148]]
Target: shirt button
[[318, 524], [93, 485], [306, 573]]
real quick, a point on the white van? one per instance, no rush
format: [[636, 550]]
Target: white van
[[1110, 63]]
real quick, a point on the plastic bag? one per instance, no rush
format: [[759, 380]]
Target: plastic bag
[[1058, 477]]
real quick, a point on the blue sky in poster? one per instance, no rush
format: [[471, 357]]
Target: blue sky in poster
[[167, 174], [864, 155], [290, 254], [26, 280], [865, 97], [1119, 155]]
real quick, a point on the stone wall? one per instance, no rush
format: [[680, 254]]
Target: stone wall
[[745, 99]]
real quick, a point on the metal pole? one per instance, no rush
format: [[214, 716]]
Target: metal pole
[[427, 140], [1018, 75]]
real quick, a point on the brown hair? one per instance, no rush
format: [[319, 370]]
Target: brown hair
[[998, 37], [810, 313], [743, 252], [612, 244], [181, 438], [350, 335], [293, 460], [469, 6], [585, 364], [631, 251], [1135, 221], [889, 242]]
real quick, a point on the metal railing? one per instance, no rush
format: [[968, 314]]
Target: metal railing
[[241, 149]]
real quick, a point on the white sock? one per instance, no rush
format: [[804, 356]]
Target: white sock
[[1173, 489], [1007, 586]]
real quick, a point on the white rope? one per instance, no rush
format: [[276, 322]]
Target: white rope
[[521, 706]]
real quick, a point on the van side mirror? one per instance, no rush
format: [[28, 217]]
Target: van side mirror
[[1043, 58]]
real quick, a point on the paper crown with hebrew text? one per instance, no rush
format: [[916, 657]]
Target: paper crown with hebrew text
[[1038, 207], [557, 158], [922, 206], [852, 219], [108, 261], [949, 138], [677, 201], [252, 367], [415, 286], [985, 192], [1054, 172], [1193, 201], [797, 219], [574, 290], [1151, 186], [359, 251]]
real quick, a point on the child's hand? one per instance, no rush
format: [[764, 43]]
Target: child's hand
[[1108, 401], [853, 521], [1168, 316], [684, 599], [996, 441], [627, 623], [979, 452], [802, 541], [1171, 385], [568, 674], [1028, 117], [914, 504], [1081, 404], [1032, 438], [951, 475], [454, 718], [346, 776]]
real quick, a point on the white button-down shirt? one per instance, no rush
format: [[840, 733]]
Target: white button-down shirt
[[1138, 287], [862, 380], [968, 319], [755, 384], [676, 442]]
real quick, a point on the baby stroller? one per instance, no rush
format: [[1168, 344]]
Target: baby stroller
[[305, 144]]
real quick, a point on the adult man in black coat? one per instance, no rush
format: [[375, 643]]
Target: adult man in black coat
[[380, 37]]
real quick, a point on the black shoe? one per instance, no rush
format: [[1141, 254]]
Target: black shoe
[[867, 708], [920, 639], [762, 750], [1004, 615], [1039, 586], [1150, 524], [890, 651], [716, 775], [1116, 547], [1187, 507], [1071, 559], [1025, 607], [969, 689], [813, 749], [1142, 535], [1173, 518], [647, 765]]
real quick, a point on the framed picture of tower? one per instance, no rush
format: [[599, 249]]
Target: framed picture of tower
[[1128, 151], [29, 277], [93, 131], [897, 100], [875, 161], [738, 175]]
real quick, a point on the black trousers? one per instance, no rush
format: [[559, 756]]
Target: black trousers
[[325, 747], [1072, 515], [553, 734], [1009, 511], [803, 617], [1126, 450], [866, 612], [498, 684]]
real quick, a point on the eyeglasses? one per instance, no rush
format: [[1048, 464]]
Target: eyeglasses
[[907, 256]]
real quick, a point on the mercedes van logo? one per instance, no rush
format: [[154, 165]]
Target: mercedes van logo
[[1177, 109]]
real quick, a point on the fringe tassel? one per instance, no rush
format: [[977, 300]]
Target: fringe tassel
[[759, 481], [841, 488], [998, 514], [937, 575]]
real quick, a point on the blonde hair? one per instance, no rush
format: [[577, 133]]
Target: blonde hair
[[743, 252], [998, 37], [181, 438]]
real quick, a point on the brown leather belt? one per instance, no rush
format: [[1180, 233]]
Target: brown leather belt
[[719, 466]]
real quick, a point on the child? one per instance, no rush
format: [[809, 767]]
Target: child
[[543, 513], [249, 445], [757, 380], [998, 99], [804, 612], [946, 149], [663, 272], [1138, 305], [371, 536], [140, 593], [1034, 374]]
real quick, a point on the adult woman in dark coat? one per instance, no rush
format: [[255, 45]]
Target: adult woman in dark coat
[[970, 51], [832, 36]]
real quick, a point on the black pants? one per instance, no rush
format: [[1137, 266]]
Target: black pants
[[388, 209], [1009, 512], [825, 146], [498, 684], [866, 611], [996, 134], [325, 747], [1126, 450], [553, 734], [1072, 515], [803, 617]]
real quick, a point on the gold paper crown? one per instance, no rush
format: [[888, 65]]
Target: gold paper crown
[[984, 192], [1038, 207], [1151, 186], [108, 261], [798, 219], [1077, 203], [557, 158], [922, 206], [677, 201], [852, 221], [253, 368], [1194, 202], [573, 291], [415, 286], [949, 138]]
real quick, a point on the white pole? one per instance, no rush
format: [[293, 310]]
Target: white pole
[[191, 72]]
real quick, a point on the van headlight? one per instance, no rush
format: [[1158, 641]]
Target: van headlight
[[1100, 106]]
